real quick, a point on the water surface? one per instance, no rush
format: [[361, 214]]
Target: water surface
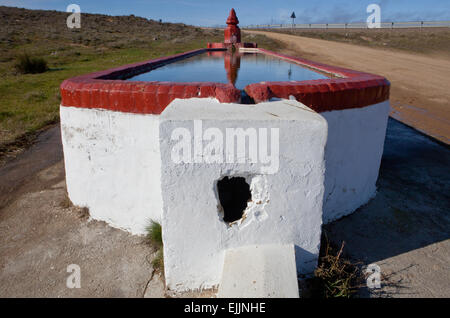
[[225, 67]]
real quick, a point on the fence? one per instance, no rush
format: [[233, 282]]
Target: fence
[[356, 25]]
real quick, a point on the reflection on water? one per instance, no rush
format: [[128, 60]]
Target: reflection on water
[[239, 69]]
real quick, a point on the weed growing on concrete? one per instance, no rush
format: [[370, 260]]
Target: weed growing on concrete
[[335, 276], [158, 261], [154, 234], [154, 238]]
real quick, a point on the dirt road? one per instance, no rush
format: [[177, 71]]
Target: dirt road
[[420, 91]]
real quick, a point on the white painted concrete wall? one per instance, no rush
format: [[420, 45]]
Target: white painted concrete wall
[[286, 207], [113, 167], [353, 155]]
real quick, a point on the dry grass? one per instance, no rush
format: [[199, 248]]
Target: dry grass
[[82, 212], [335, 276], [65, 202]]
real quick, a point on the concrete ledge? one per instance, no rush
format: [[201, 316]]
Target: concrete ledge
[[259, 271]]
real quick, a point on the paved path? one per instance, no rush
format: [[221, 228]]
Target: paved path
[[420, 92]]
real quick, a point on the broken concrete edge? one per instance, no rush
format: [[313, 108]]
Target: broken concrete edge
[[108, 89]]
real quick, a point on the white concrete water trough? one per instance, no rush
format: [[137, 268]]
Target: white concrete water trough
[[227, 148]]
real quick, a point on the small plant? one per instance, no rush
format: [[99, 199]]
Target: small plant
[[335, 276], [65, 202], [33, 65], [158, 261], [154, 234], [154, 237]]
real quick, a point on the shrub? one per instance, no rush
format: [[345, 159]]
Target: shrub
[[26, 64]]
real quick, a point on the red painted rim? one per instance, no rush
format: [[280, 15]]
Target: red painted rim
[[107, 90], [353, 89]]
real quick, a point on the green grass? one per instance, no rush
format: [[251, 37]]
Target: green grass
[[30, 101], [154, 238], [154, 234]]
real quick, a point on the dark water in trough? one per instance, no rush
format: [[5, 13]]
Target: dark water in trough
[[225, 67]]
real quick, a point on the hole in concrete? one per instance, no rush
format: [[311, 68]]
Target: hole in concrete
[[234, 193]]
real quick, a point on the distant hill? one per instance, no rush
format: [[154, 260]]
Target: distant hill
[[29, 102], [23, 26]]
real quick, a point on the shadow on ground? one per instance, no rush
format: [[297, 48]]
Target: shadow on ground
[[406, 227]]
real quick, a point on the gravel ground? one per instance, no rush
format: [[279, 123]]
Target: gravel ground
[[405, 229]]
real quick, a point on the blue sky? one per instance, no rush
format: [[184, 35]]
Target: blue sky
[[214, 12]]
